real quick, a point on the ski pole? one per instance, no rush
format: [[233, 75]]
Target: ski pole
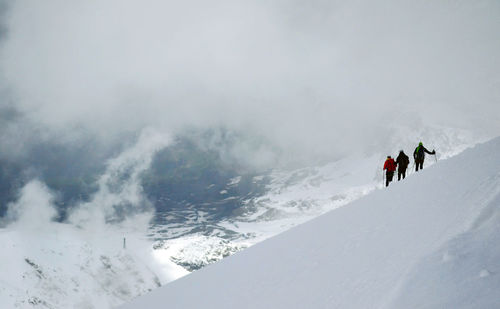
[[435, 156]]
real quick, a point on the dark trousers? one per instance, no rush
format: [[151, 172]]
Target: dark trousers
[[401, 172], [419, 163], [388, 178]]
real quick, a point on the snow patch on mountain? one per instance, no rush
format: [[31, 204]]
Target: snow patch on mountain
[[196, 251]]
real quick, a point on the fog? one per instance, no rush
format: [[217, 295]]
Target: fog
[[311, 77], [284, 81]]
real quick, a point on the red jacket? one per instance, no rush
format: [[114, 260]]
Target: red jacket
[[390, 165]]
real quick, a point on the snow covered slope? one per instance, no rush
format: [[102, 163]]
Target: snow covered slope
[[64, 270], [430, 241]]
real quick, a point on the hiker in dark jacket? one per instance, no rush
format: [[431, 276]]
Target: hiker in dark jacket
[[419, 156], [390, 166], [403, 161]]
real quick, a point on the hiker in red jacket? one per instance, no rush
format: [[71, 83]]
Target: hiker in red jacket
[[390, 166]]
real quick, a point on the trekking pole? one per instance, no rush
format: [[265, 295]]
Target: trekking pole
[[383, 178], [435, 156]]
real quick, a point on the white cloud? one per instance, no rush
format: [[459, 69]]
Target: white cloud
[[311, 77], [120, 193], [34, 208]]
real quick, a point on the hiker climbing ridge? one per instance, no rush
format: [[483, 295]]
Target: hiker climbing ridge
[[419, 156]]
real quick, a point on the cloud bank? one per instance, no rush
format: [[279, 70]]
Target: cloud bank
[[314, 77]]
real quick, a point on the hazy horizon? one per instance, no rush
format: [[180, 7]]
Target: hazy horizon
[[314, 78]]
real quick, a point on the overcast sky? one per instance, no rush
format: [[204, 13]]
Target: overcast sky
[[317, 75]]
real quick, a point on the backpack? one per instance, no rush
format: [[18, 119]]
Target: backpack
[[420, 152], [403, 160]]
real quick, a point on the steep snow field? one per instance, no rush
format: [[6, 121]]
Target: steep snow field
[[430, 241]]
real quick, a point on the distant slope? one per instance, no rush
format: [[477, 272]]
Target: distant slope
[[428, 242], [64, 269]]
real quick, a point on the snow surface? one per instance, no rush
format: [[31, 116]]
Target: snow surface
[[430, 241], [67, 270]]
